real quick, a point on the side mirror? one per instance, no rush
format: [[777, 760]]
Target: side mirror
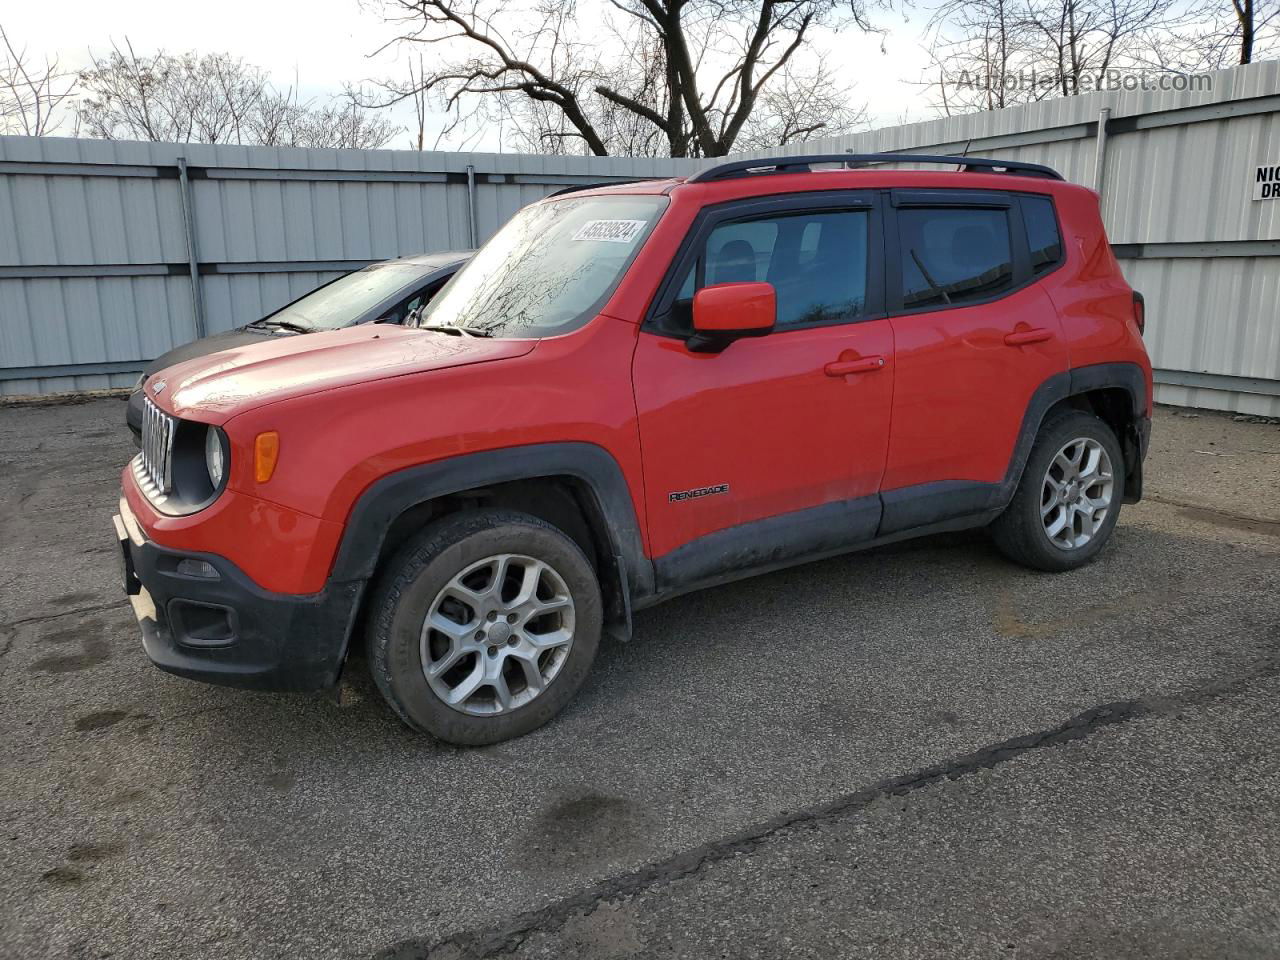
[[728, 311]]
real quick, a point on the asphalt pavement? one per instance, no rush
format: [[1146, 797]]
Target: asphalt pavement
[[921, 751]]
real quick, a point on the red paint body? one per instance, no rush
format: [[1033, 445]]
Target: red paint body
[[791, 420]]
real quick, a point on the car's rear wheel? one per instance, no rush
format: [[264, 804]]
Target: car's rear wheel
[[1068, 500], [484, 626]]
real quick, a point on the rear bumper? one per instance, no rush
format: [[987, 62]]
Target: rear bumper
[[206, 620]]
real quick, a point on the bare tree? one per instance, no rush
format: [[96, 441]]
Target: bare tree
[[176, 98], [421, 102], [989, 54], [214, 98], [981, 52], [800, 106], [31, 95], [677, 77], [1219, 34], [1257, 23], [281, 120], [1248, 30], [539, 126], [1083, 39], [339, 124]]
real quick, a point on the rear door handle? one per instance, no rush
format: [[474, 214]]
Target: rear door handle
[[1034, 335], [840, 368]]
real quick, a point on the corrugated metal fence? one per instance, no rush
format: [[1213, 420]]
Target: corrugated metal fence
[[99, 240]]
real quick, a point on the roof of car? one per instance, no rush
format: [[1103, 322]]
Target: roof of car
[[436, 260]]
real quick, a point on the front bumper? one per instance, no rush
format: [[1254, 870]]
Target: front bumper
[[206, 620]]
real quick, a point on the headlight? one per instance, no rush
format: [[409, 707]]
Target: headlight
[[184, 465], [215, 459]]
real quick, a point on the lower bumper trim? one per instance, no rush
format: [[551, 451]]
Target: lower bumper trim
[[259, 640]]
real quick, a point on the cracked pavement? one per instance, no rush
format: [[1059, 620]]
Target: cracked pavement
[[921, 751]]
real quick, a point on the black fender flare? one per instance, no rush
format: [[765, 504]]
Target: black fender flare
[[1073, 383], [388, 497]]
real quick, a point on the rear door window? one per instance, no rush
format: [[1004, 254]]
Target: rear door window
[[953, 255]]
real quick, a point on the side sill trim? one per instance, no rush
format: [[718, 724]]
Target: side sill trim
[[786, 538], [946, 526]]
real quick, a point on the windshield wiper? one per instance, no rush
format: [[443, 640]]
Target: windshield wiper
[[459, 331], [283, 325]]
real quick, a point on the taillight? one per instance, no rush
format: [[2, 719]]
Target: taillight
[[1140, 312]]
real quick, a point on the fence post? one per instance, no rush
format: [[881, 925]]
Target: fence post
[[193, 260], [471, 205], [1100, 161]]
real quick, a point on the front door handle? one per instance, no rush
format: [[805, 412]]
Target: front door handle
[[840, 368], [1028, 335]]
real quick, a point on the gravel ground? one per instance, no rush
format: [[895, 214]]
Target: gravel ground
[[921, 751]]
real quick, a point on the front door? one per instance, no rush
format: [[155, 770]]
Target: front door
[[774, 448]]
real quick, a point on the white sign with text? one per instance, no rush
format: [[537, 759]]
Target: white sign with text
[[1266, 183]]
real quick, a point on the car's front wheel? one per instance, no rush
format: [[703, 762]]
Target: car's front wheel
[[1068, 500], [484, 626]]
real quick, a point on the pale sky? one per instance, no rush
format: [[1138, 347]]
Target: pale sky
[[327, 43]]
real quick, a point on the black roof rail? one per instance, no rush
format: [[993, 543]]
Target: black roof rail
[[574, 188], [772, 165]]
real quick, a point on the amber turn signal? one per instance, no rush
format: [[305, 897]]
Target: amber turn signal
[[266, 451]]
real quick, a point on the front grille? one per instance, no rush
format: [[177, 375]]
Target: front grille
[[154, 465]]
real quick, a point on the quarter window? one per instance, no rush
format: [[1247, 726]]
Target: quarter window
[[816, 262], [1042, 233], [953, 255]]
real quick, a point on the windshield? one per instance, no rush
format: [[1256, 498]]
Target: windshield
[[549, 269], [348, 298]]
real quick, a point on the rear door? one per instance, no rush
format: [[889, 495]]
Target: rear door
[[975, 336], [756, 453]]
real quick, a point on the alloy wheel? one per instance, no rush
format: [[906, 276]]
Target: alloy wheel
[[497, 634], [1077, 492]]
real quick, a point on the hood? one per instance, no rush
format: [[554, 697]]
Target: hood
[[207, 345], [220, 385]]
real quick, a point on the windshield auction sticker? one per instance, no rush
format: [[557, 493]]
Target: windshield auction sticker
[[610, 231]]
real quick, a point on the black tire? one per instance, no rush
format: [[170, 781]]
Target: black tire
[[1019, 533], [414, 578]]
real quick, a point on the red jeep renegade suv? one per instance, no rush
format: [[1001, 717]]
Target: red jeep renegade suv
[[632, 391]]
